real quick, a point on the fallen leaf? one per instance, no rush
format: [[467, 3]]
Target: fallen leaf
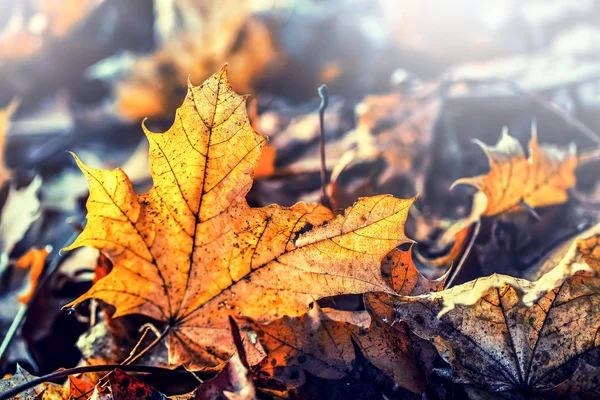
[[235, 380], [513, 336], [320, 341], [125, 387], [540, 180], [191, 250], [80, 388], [43, 391], [198, 37], [515, 183], [35, 259], [393, 135], [398, 267]]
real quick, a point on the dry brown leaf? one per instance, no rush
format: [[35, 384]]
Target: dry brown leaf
[[44, 391], [405, 278], [35, 259], [191, 251], [80, 388], [122, 386], [320, 341], [514, 336]]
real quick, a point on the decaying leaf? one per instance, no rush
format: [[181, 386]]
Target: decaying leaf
[[35, 259], [80, 388], [124, 387], [191, 250], [398, 267], [515, 183], [234, 382], [514, 336], [44, 391], [321, 341]]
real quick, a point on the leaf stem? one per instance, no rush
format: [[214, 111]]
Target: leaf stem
[[82, 370], [324, 95]]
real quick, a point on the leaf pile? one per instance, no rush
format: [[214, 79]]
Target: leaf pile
[[317, 294]]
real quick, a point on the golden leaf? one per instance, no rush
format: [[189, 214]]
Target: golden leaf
[[515, 182], [191, 250], [540, 180], [511, 335]]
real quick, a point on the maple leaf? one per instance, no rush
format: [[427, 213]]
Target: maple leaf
[[540, 180], [511, 335], [515, 182], [321, 341], [191, 250]]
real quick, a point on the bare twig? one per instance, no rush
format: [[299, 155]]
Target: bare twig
[[130, 360], [324, 95], [456, 268]]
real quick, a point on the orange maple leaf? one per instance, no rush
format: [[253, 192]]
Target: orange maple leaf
[[191, 250]]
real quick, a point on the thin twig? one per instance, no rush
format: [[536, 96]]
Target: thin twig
[[137, 345], [149, 347], [22, 313], [324, 95], [82, 370], [455, 269]]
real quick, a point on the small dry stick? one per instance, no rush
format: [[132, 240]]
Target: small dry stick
[[456, 268], [324, 95]]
